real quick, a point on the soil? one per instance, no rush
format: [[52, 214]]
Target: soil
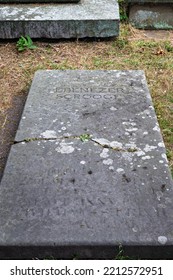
[[9, 129]]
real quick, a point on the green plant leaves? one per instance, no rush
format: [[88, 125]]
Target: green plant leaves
[[85, 137], [25, 43]]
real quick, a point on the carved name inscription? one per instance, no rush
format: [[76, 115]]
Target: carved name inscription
[[94, 93], [119, 89]]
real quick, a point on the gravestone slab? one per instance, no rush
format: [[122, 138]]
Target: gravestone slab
[[150, 1], [87, 171], [38, 1], [80, 20], [151, 14]]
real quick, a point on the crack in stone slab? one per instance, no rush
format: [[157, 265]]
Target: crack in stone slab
[[83, 138], [114, 148], [27, 140]]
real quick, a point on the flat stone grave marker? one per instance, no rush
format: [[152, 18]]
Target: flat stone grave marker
[[151, 14], [87, 171], [39, 1], [87, 18]]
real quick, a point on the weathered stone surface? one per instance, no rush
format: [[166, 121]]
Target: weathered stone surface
[[151, 16], [38, 1], [88, 171], [150, 1], [80, 20]]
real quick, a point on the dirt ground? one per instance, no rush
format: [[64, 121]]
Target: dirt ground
[[8, 131]]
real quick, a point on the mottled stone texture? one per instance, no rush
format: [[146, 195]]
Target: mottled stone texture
[[88, 18], [38, 1], [150, 1], [149, 16], [88, 171]]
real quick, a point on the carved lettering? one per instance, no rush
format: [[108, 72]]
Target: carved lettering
[[86, 96], [67, 90], [93, 96], [35, 213], [108, 96]]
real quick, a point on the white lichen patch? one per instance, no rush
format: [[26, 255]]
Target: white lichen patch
[[161, 161], [108, 161], [111, 168], [145, 112], [82, 162], [129, 123], [162, 240], [156, 128], [149, 148], [131, 146], [104, 153], [132, 129], [116, 144], [113, 109], [63, 128], [151, 107], [145, 133], [65, 148], [146, 157], [164, 157], [49, 134], [120, 170], [161, 144], [140, 153]]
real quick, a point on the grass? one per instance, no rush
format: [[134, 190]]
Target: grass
[[132, 50]]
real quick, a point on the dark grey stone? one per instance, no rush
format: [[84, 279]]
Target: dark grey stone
[[88, 170], [149, 16], [80, 20], [38, 1]]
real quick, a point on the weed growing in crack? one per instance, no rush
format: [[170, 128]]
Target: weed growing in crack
[[85, 137]]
